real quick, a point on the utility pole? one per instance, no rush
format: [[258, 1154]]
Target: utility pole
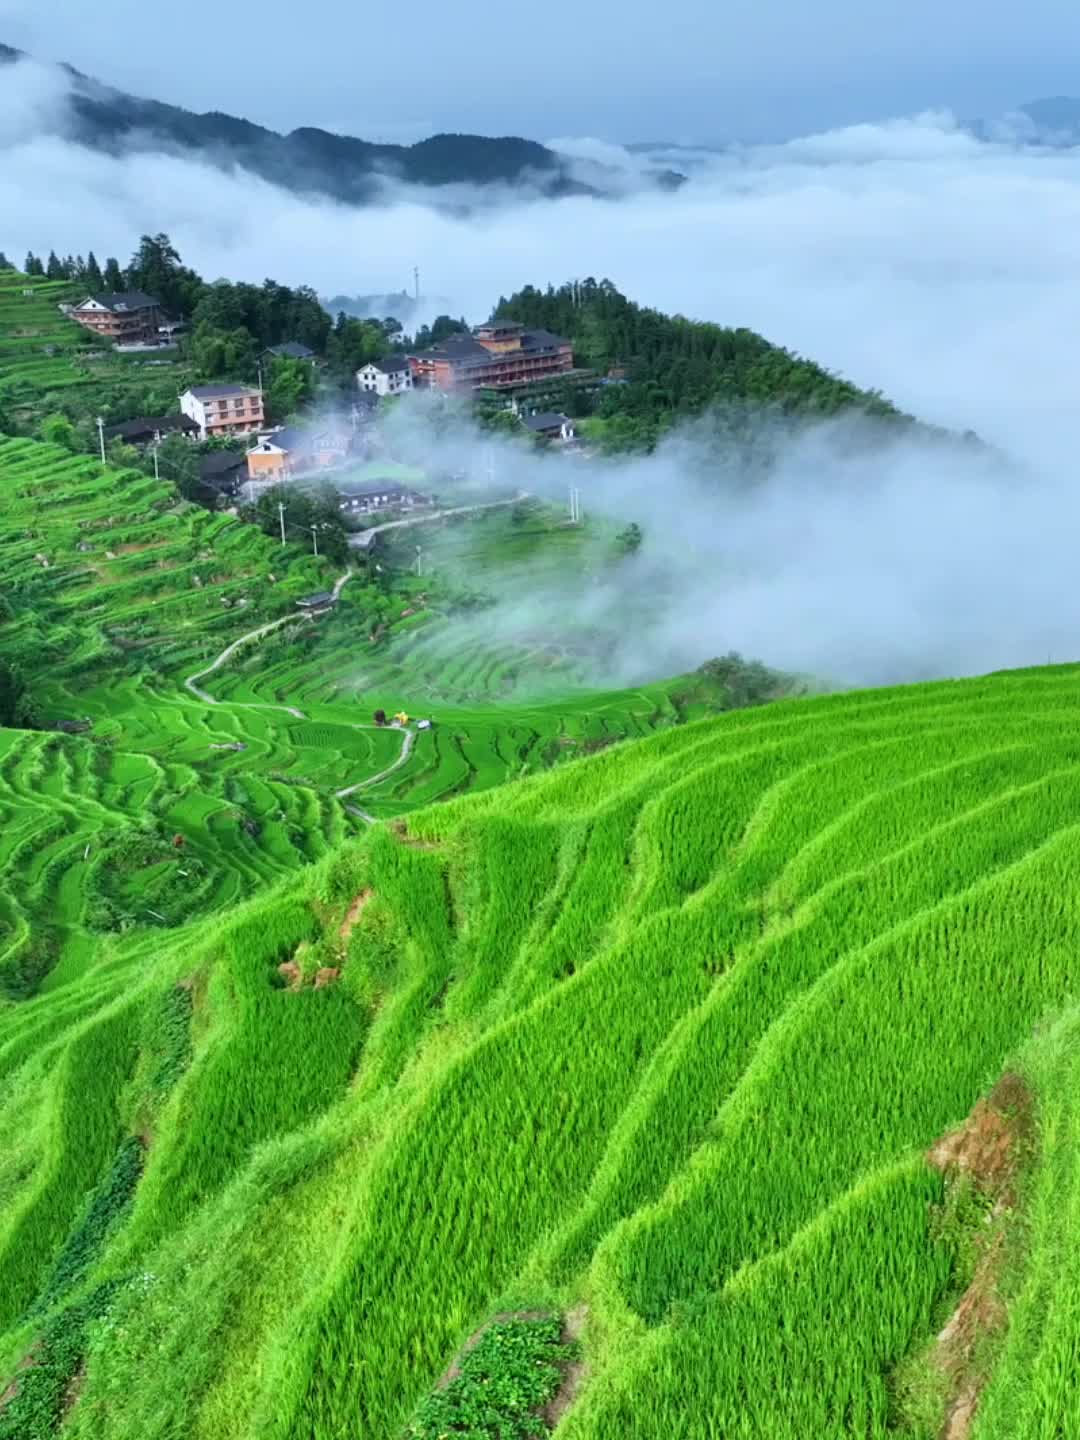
[[157, 442], [575, 505], [416, 282], [419, 560], [101, 437], [315, 539], [281, 517]]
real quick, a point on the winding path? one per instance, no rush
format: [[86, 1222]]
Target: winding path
[[366, 538], [408, 736]]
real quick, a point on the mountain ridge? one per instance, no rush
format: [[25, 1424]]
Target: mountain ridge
[[312, 160]]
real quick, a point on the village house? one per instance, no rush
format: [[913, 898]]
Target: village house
[[126, 318], [143, 430], [224, 471], [318, 603], [366, 497], [392, 375], [292, 451], [550, 425], [289, 350], [223, 409], [499, 355]]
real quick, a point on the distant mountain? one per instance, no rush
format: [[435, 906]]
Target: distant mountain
[[313, 161], [1053, 120]]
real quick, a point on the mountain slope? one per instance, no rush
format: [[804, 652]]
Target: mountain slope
[[310, 160], [664, 1033]]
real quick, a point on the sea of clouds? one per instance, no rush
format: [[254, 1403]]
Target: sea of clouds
[[908, 256]]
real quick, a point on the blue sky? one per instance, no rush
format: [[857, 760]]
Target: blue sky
[[687, 69]]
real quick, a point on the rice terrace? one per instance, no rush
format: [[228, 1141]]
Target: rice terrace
[[410, 1028]]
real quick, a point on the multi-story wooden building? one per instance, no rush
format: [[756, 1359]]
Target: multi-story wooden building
[[127, 318], [499, 355], [223, 409]]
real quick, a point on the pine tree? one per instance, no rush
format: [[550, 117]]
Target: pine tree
[[5, 263], [32, 265], [114, 277], [93, 279], [54, 270]]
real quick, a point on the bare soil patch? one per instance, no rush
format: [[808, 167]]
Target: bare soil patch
[[73, 1391], [352, 915], [401, 833], [26, 1363], [990, 1149], [575, 1372], [291, 973]]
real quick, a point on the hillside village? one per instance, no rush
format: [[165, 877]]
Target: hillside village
[[293, 414]]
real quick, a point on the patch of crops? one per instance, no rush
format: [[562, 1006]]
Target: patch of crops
[[667, 1030]]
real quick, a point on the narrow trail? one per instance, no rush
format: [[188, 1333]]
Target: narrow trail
[[408, 736], [366, 538], [406, 748]]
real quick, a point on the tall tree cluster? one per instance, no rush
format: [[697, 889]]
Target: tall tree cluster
[[665, 367]]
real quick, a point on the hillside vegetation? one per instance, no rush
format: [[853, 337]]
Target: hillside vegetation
[[658, 1041]]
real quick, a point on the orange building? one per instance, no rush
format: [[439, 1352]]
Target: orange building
[[292, 451], [498, 354]]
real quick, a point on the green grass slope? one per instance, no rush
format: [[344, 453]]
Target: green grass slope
[[116, 593], [659, 1038]]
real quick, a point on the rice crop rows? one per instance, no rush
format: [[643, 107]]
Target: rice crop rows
[[665, 1032]]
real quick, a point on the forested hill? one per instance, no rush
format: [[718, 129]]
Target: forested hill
[[311, 160], [674, 367]]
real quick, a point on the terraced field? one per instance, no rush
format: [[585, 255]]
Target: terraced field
[[658, 1041], [169, 805], [44, 354]]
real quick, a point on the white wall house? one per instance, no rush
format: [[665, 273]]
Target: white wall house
[[223, 409], [391, 376]]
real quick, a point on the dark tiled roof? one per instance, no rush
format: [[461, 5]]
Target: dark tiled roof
[[541, 340], [291, 438], [358, 489], [222, 464], [126, 300], [218, 392], [467, 351], [392, 364], [291, 350], [546, 420], [318, 600], [147, 424]]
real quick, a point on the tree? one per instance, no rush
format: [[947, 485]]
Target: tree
[[156, 269], [54, 270], [218, 353], [16, 707], [179, 462], [92, 278], [5, 263], [629, 540], [58, 430], [113, 278], [289, 384], [32, 265], [305, 511]]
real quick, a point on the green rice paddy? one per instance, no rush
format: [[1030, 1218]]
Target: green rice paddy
[[594, 1089]]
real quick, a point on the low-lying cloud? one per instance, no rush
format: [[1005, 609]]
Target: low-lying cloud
[[910, 257]]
